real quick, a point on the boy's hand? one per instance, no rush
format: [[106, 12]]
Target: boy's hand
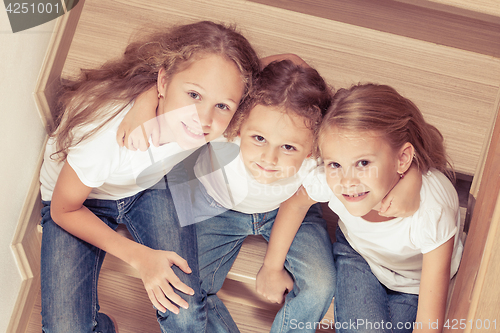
[[274, 284], [140, 123], [159, 279], [138, 137]]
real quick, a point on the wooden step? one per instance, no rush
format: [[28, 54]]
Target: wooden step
[[238, 292]]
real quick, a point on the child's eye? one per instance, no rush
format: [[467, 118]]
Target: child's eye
[[289, 148], [194, 95], [363, 163], [334, 165], [222, 106], [259, 138]]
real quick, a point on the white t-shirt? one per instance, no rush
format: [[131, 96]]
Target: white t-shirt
[[112, 171], [234, 187], [394, 248]]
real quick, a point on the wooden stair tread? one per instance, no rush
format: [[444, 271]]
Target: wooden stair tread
[[244, 269]]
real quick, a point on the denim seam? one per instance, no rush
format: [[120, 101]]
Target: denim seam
[[221, 317], [258, 222], [95, 277], [285, 308], [212, 280], [131, 228], [284, 323]]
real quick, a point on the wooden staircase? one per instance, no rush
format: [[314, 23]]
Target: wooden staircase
[[447, 60]]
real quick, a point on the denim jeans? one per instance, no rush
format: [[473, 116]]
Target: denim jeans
[[309, 261], [70, 267], [362, 303]]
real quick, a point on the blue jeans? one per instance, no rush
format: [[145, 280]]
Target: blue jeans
[[70, 267], [362, 303], [309, 261]]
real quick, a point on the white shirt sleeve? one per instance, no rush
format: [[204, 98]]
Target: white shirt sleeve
[[438, 226], [316, 185], [439, 220], [95, 159]]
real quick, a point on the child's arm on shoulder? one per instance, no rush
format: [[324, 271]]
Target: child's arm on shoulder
[[272, 279], [68, 211], [404, 199], [434, 284], [285, 56], [140, 123]]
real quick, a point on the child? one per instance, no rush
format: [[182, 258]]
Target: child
[[200, 72], [276, 136], [392, 273]]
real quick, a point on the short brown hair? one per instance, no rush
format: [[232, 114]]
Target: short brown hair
[[294, 88]]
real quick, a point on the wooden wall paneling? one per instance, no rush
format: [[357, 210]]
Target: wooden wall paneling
[[484, 312], [26, 241], [478, 174], [26, 250], [49, 79], [467, 285]]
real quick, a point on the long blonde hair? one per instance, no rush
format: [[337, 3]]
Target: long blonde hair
[[99, 95], [380, 108]]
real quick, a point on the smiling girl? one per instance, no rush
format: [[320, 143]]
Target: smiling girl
[[392, 273], [89, 185]]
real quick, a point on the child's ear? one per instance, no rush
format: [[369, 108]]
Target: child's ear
[[406, 154], [161, 82]]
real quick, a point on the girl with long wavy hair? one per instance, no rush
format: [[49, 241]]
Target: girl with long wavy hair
[[200, 73]]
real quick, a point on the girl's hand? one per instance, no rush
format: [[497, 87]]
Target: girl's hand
[[404, 199], [160, 280], [140, 123], [273, 284]]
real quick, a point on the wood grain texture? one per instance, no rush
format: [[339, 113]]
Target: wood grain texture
[[431, 21], [486, 10], [475, 249], [455, 89]]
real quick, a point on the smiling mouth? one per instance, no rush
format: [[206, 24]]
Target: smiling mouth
[[355, 197], [190, 130], [264, 169]]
